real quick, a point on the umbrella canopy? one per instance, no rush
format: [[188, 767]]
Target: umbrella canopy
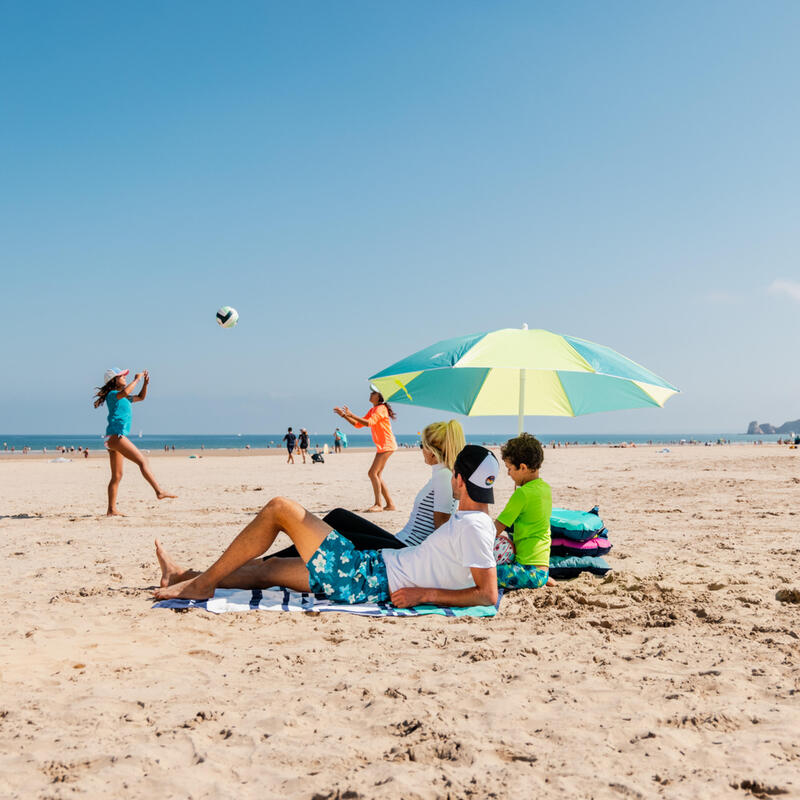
[[521, 371]]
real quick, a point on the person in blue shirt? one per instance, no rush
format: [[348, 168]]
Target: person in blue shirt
[[116, 394]]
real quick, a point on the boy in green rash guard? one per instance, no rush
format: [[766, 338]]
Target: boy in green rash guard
[[528, 511]]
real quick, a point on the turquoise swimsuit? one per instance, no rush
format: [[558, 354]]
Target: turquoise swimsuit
[[119, 414]]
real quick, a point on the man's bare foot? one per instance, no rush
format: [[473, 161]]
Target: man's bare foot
[[112, 512], [164, 495], [193, 589], [551, 582], [374, 509], [170, 571], [390, 508]]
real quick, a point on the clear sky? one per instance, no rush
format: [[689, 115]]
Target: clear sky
[[361, 179]]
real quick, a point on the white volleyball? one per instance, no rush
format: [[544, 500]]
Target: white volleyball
[[227, 316]]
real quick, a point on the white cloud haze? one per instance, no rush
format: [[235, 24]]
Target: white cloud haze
[[790, 288]]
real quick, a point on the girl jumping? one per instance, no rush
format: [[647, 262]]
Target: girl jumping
[[116, 394]]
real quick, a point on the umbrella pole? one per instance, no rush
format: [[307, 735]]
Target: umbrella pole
[[521, 418]]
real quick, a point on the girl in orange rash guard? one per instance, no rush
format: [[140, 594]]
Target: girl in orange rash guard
[[379, 420]]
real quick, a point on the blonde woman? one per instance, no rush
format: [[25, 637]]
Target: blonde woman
[[433, 505]]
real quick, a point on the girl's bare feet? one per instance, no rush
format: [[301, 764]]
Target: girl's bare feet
[[374, 509], [112, 512], [390, 508], [164, 495]]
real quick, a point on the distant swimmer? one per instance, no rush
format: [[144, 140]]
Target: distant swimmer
[[116, 394]]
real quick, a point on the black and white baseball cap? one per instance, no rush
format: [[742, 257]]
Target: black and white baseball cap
[[478, 467]]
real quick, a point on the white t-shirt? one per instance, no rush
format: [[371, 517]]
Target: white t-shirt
[[444, 559], [435, 495]]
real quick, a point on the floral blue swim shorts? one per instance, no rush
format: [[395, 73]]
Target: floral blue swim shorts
[[521, 576], [347, 575]]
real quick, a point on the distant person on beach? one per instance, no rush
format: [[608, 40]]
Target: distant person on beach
[[433, 505], [290, 440], [454, 566], [116, 394], [526, 515], [337, 441], [379, 420], [302, 443]]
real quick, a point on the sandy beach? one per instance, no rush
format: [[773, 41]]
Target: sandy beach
[[676, 676]]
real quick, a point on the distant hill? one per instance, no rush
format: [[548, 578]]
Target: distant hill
[[755, 428]]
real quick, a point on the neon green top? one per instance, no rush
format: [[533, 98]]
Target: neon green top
[[528, 510]]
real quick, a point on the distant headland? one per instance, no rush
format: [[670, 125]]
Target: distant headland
[[756, 428]]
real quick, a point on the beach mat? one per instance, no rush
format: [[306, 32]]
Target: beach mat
[[280, 599]]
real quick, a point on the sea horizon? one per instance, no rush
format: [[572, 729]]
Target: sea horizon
[[256, 441]]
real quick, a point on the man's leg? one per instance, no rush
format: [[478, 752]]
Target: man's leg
[[255, 574], [280, 514], [365, 535]]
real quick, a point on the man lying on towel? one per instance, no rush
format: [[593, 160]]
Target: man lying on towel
[[454, 566]]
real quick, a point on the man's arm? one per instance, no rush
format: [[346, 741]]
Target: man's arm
[[483, 593]]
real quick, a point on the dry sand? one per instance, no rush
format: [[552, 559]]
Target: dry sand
[[677, 676]]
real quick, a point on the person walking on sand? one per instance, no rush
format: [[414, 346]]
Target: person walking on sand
[[337, 441], [116, 394], [290, 439], [302, 443], [379, 420]]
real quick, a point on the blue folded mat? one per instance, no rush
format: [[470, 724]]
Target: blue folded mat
[[564, 567]]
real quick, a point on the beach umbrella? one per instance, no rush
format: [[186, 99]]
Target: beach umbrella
[[517, 371]]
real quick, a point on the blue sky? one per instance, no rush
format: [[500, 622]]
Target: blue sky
[[361, 179]]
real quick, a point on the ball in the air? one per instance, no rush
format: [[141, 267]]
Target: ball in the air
[[227, 316], [503, 549]]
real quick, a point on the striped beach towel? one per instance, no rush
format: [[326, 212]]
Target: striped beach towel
[[280, 599]]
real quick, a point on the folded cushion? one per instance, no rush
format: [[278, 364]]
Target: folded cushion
[[598, 546], [562, 567], [576, 525]]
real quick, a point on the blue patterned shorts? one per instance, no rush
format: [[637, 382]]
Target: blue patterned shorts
[[347, 575], [521, 576]]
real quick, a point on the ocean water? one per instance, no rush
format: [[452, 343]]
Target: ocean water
[[262, 440]]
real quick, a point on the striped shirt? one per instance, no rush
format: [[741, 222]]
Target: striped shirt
[[435, 495]]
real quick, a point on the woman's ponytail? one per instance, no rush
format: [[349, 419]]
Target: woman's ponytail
[[445, 440]]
